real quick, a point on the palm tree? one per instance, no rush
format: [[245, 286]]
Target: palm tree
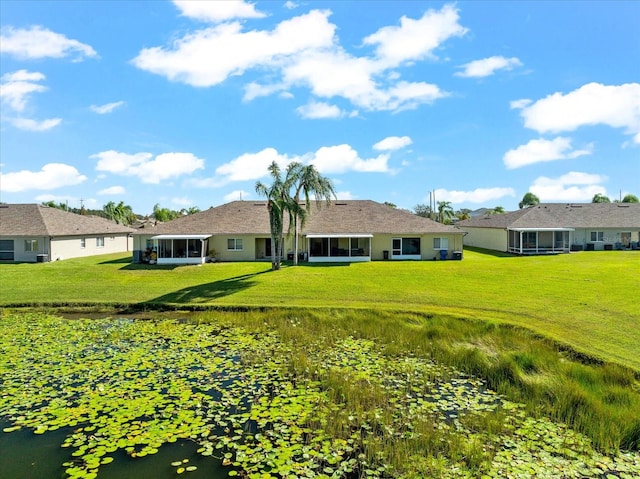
[[445, 211], [529, 199], [308, 181], [120, 213], [278, 202]]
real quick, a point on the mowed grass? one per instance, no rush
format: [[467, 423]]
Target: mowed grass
[[587, 301]]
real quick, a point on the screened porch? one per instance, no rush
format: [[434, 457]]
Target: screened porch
[[539, 240], [339, 248], [179, 249]]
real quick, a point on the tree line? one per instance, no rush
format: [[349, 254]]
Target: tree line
[[123, 214]]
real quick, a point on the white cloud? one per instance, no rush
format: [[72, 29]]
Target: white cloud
[[617, 106], [16, 87], [479, 195], [541, 150], [290, 5], [416, 39], [113, 190], [300, 51], [50, 177], [519, 104], [488, 66], [37, 42], [316, 110], [217, 11], [250, 166], [393, 143], [574, 186], [343, 158], [237, 195], [107, 107], [163, 167], [345, 195], [208, 56], [182, 201], [34, 125]]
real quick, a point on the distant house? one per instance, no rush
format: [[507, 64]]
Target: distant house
[[32, 232], [345, 231], [557, 228]]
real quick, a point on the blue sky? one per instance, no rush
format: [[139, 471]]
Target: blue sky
[[186, 103]]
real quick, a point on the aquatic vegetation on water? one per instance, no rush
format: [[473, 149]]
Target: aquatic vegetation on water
[[267, 407]]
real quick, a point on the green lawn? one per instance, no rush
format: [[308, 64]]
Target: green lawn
[[586, 300]]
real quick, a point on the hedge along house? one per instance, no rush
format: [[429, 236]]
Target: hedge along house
[[37, 233], [345, 231], [550, 228]]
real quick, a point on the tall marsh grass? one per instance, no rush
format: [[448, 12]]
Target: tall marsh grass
[[599, 400]]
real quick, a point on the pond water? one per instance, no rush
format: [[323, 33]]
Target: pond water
[[24, 455], [157, 398]]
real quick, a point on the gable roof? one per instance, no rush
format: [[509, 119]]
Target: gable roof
[[341, 217], [39, 220], [563, 215]]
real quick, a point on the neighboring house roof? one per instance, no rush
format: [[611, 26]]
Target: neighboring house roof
[[563, 215], [341, 217], [38, 220]]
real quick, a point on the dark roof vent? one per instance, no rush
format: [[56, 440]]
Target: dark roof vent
[[341, 204]]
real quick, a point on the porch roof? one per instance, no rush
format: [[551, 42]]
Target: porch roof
[[160, 237], [541, 229]]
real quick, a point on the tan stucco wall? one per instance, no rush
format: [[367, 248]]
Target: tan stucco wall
[[489, 238], [69, 247], [384, 242]]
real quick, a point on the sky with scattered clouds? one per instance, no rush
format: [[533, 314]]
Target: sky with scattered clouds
[[186, 103]]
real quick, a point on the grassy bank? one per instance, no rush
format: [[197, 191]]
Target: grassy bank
[[586, 301]]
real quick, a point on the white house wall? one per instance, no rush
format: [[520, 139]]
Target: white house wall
[[19, 252], [489, 238]]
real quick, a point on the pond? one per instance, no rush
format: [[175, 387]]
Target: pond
[[122, 397]]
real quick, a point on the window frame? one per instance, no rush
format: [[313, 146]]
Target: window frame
[[441, 240], [599, 236], [29, 245], [99, 241], [235, 244]]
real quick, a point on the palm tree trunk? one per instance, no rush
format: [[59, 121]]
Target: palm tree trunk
[[295, 241]]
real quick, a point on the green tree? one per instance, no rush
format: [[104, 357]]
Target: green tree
[[120, 213], [190, 211], [600, 198], [528, 200], [630, 199], [445, 212], [389, 204], [463, 214], [164, 214], [278, 202], [498, 210], [423, 210], [307, 182]]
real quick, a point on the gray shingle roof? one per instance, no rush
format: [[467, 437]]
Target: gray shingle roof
[[563, 215], [353, 216], [38, 220]]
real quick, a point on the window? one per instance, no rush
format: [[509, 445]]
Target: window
[[440, 243], [83, 242], [234, 244], [405, 246], [597, 236], [31, 245], [100, 241], [6, 250]]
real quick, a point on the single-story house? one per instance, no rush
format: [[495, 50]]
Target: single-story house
[[345, 231], [557, 228], [37, 233]]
